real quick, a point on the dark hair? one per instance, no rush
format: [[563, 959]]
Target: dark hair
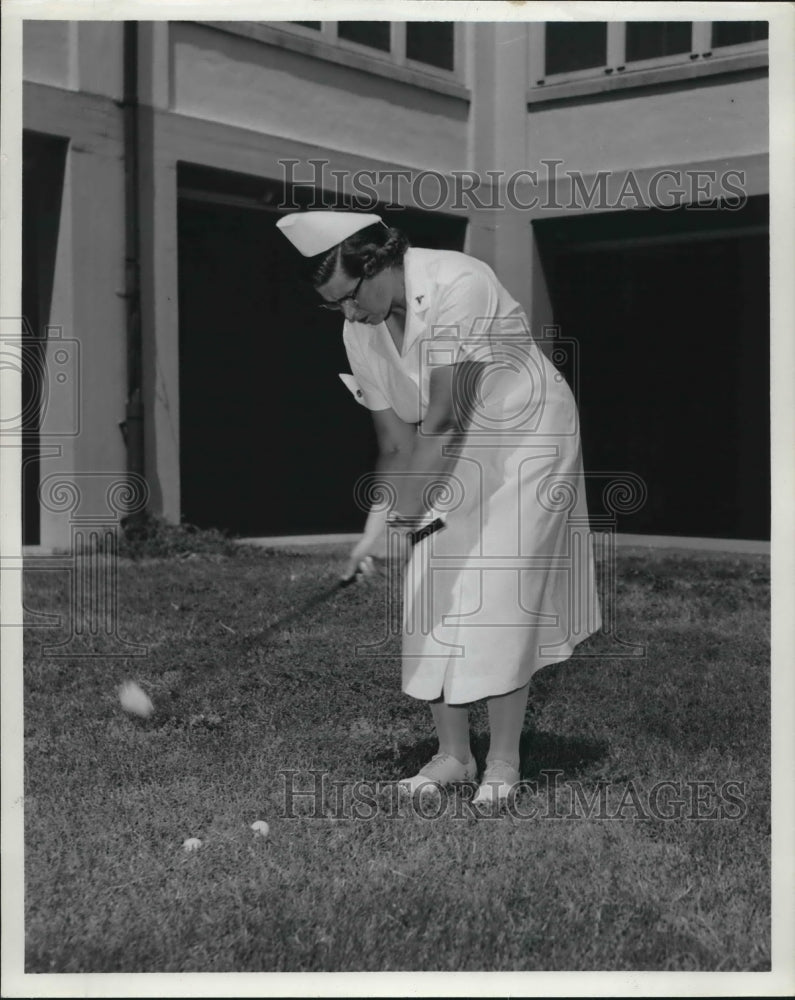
[[364, 253]]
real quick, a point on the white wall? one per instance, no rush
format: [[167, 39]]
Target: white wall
[[75, 55], [101, 58], [708, 121], [87, 298], [49, 53], [244, 82]]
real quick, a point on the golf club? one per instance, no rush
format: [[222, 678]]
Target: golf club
[[364, 568], [318, 598]]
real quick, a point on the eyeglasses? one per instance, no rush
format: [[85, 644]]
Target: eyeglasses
[[337, 305]]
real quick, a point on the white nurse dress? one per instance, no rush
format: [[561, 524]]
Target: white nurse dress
[[509, 585]]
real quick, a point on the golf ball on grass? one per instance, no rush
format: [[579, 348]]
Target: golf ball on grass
[[192, 844], [135, 700], [260, 828]]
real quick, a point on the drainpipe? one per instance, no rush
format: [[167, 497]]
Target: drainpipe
[[132, 427]]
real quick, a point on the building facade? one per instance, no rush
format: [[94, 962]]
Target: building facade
[[614, 174]]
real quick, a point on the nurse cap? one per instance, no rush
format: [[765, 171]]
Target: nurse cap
[[312, 233]]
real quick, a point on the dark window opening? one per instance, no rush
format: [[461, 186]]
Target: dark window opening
[[271, 441], [653, 39], [43, 166], [431, 42], [738, 32], [669, 315], [571, 47], [374, 34]]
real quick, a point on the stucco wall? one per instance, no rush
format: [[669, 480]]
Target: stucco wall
[[87, 299], [246, 83], [101, 58], [74, 55], [641, 128], [49, 53]]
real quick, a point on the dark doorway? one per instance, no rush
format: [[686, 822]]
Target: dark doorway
[[670, 311], [271, 441], [43, 162]]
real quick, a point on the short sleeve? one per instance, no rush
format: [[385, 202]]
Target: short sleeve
[[371, 394]]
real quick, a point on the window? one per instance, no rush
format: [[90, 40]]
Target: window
[[434, 47], [374, 34], [652, 39], [571, 46], [737, 32], [571, 59], [426, 54], [431, 42]]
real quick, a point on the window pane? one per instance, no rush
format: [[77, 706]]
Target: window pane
[[430, 42], [651, 39], [372, 33], [737, 32], [308, 24], [575, 46]]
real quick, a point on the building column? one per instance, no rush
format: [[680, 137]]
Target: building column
[[83, 404], [499, 78], [159, 275]]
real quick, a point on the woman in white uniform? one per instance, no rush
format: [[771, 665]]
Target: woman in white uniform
[[460, 395]]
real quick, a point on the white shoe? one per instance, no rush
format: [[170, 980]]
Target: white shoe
[[442, 769], [499, 779]]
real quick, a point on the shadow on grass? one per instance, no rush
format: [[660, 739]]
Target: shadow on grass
[[539, 751]]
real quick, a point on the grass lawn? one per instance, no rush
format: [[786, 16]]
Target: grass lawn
[[110, 798]]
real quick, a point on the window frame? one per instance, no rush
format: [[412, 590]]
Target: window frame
[[456, 72], [655, 61], [737, 45], [573, 74], [618, 74], [326, 44], [332, 35]]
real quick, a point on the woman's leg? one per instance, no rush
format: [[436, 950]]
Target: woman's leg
[[454, 762], [506, 718], [452, 728]]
